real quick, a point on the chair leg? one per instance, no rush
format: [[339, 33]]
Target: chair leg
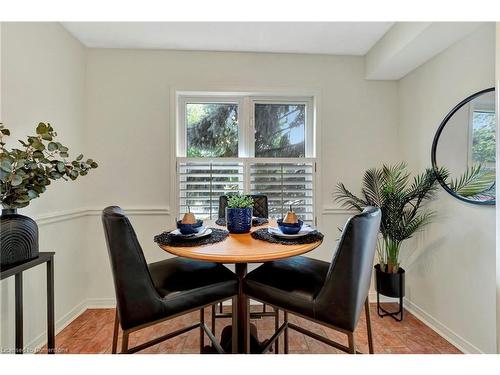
[[350, 339], [234, 322], [115, 334], [276, 327], [369, 326], [220, 307], [263, 307], [124, 342], [202, 332], [213, 319], [285, 319]]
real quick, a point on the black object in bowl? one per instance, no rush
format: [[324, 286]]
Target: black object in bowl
[[189, 228], [289, 228]]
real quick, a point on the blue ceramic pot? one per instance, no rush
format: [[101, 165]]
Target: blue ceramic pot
[[239, 220]]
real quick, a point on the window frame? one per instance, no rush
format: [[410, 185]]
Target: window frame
[[246, 134]]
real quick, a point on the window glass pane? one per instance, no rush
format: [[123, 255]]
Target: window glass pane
[[484, 149], [212, 129], [483, 138], [280, 130]]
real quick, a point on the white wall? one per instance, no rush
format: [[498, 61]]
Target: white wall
[[497, 85], [451, 267], [129, 117], [43, 79]]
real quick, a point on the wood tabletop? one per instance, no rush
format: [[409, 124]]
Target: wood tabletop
[[240, 248]]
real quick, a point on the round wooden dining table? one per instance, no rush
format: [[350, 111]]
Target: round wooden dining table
[[241, 249]]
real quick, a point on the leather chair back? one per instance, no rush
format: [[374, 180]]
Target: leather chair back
[[137, 300], [349, 276], [260, 206]]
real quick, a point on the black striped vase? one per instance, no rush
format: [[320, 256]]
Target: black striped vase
[[18, 238]]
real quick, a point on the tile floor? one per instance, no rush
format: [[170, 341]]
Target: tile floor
[[92, 332]]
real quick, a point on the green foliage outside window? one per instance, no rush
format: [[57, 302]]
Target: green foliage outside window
[[483, 137], [279, 130], [212, 130]]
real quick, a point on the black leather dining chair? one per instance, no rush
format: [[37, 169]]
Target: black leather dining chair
[[331, 294], [147, 294], [260, 206]]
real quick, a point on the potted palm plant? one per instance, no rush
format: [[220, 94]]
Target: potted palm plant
[[401, 200], [239, 213], [25, 173]]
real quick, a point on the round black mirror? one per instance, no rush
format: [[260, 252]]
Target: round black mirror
[[464, 149]]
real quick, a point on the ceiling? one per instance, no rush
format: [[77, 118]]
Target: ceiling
[[336, 38]]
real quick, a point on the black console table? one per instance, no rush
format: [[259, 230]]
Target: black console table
[[17, 271]]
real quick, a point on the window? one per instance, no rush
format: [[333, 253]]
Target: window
[[247, 144]]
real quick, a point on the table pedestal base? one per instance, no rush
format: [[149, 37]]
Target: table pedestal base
[[226, 341]]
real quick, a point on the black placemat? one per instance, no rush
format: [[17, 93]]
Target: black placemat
[[264, 235], [168, 239], [256, 222]]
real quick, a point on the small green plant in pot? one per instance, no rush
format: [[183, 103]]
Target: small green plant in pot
[[401, 201], [25, 172], [239, 213]]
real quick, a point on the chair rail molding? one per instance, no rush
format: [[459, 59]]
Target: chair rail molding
[[57, 216], [337, 211], [64, 215]]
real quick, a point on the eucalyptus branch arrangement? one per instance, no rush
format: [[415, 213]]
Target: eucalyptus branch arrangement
[[26, 171], [400, 201], [239, 201]]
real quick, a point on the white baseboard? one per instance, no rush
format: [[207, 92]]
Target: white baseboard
[[110, 303], [372, 297], [449, 335], [92, 303], [38, 342], [101, 303]]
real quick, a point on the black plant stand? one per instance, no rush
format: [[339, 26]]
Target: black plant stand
[[17, 271], [390, 285], [397, 315]]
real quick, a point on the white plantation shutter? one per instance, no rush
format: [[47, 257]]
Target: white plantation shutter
[[285, 184], [201, 184]]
